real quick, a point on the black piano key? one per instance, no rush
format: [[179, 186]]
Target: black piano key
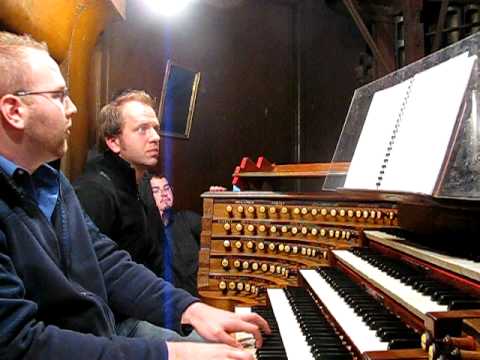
[[370, 318], [464, 304], [377, 324], [312, 340], [446, 299], [271, 356], [389, 334], [404, 343], [319, 355], [364, 311]]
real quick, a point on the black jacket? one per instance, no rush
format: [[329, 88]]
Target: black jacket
[[109, 194], [59, 284], [182, 244]]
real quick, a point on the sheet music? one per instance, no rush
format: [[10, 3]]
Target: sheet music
[[370, 150], [430, 118], [426, 115]]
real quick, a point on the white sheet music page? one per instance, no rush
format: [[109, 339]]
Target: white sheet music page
[[375, 135], [429, 120], [426, 115]]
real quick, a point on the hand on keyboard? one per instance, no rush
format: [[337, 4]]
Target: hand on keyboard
[[217, 325]]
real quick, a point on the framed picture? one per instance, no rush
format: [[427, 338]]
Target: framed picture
[[177, 103]]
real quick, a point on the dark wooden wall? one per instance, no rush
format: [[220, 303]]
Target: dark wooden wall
[[332, 46], [276, 80]]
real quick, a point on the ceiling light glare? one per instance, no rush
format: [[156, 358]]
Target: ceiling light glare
[[167, 7]]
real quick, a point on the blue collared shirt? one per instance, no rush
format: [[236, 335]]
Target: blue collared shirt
[[42, 186]]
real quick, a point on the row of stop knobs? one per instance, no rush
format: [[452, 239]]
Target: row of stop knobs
[[271, 246], [262, 211], [255, 266], [238, 286], [285, 230]]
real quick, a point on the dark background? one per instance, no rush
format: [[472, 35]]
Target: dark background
[[276, 80]]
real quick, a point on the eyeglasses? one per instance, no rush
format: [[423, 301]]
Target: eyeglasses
[[166, 188], [61, 95]]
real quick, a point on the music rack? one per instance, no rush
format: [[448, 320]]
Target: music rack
[[251, 174]]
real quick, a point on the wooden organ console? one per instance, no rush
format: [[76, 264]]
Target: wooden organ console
[[335, 267], [252, 241], [346, 273]]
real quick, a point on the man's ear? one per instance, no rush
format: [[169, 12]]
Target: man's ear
[[113, 143], [13, 111]]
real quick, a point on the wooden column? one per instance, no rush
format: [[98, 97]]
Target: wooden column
[[70, 28], [383, 33], [414, 34]]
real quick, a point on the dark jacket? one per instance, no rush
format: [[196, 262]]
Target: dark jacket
[[109, 194], [58, 284], [182, 244]]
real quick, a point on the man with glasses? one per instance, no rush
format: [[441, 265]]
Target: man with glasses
[[181, 233], [60, 277]]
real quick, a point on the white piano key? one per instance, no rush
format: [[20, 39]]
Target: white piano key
[[246, 339], [359, 333], [406, 295], [243, 310], [294, 342]]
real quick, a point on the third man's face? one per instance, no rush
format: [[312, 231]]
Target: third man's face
[[139, 140], [162, 192]]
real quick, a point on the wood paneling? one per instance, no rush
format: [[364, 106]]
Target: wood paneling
[[251, 75], [332, 46]]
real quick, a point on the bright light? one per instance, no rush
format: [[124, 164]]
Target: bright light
[[167, 7]]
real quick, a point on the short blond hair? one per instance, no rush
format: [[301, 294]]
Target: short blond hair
[[14, 68], [110, 120]]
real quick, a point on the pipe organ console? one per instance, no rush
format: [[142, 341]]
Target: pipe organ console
[[342, 275], [257, 241], [388, 272]]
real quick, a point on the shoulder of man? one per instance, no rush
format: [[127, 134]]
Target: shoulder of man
[[189, 214], [96, 194], [193, 219], [95, 181]]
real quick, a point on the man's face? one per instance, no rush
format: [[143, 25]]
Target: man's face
[[138, 143], [49, 116], [162, 192]]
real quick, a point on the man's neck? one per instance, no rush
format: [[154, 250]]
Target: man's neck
[[165, 216], [139, 169], [139, 173], [24, 162]]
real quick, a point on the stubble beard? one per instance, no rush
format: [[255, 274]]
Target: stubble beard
[[64, 147]]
